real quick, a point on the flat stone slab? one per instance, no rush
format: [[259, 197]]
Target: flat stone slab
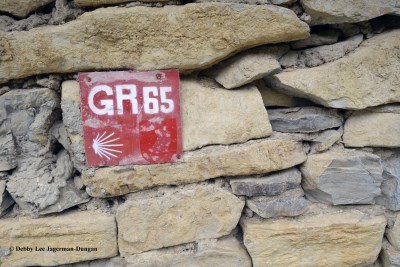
[[342, 177], [342, 11], [187, 37], [352, 86], [268, 185], [175, 216], [304, 119], [90, 230], [347, 238], [253, 157], [288, 204], [372, 128], [225, 252]]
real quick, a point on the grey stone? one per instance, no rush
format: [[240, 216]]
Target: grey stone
[[8, 152], [6, 200], [69, 197], [391, 180], [8, 24], [304, 119], [389, 255], [343, 11], [342, 177], [268, 185], [283, 2], [28, 115], [37, 182], [319, 141], [289, 204], [316, 39], [64, 11], [316, 56], [248, 66]]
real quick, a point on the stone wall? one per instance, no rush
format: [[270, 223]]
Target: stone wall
[[290, 128]]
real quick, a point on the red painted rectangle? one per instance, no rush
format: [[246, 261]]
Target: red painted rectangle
[[131, 117]]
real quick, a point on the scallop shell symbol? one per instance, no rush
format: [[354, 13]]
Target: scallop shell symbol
[[103, 145]]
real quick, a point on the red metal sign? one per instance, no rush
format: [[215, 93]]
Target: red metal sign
[[131, 117]]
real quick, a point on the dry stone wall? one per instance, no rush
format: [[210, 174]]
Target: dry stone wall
[[290, 129]]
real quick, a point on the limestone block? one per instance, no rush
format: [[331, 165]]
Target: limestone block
[[354, 84], [187, 37], [347, 238], [73, 231], [253, 157], [176, 216]]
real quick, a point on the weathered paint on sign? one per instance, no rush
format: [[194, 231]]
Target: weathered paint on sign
[[131, 117]]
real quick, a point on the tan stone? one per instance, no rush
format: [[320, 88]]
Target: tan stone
[[92, 3], [393, 233], [273, 98], [224, 252], [343, 11], [185, 37], [376, 129], [251, 65], [176, 216], [22, 8], [355, 80], [332, 238], [70, 230], [212, 115], [253, 157]]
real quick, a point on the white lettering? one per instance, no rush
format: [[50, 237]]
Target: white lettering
[[166, 101], [108, 106], [150, 103], [131, 96]]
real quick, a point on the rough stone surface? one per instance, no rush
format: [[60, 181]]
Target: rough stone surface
[[185, 37], [342, 11], [319, 141], [391, 180], [390, 257], [22, 8], [371, 128], [313, 57], [93, 3], [69, 133], [316, 39], [5, 199], [8, 152], [39, 179], [347, 238], [288, 204], [393, 233], [355, 81], [36, 184], [342, 177], [212, 115], [273, 98], [268, 185], [203, 212], [83, 229], [225, 252], [248, 66], [303, 120], [253, 157]]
